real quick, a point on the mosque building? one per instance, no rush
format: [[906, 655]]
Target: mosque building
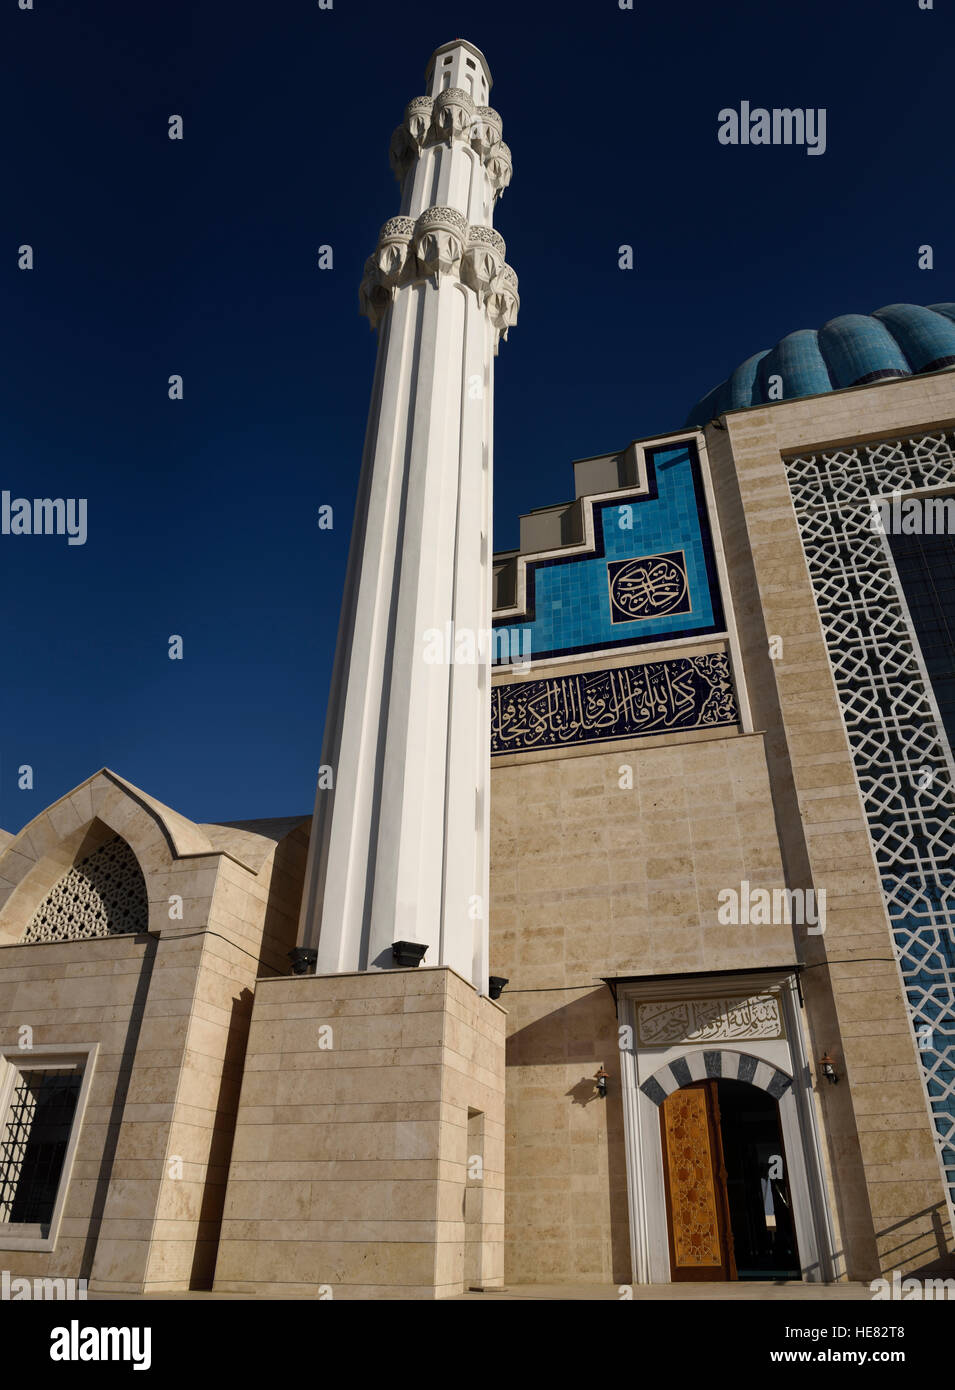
[[623, 954]]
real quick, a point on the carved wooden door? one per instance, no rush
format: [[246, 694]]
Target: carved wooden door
[[694, 1175]]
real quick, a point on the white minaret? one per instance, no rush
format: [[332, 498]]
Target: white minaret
[[399, 848]]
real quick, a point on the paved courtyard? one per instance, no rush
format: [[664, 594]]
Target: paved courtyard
[[586, 1293]]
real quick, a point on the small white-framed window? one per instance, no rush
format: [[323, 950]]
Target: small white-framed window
[[43, 1093]]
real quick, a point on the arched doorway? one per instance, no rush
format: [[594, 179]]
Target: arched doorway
[[729, 1207], [746, 1028]]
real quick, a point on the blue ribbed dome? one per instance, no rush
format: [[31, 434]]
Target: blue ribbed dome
[[899, 340]]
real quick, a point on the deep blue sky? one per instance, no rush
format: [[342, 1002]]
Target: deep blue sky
[[199, 257]]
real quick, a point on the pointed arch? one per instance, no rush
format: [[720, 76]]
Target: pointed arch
[[70, 831]]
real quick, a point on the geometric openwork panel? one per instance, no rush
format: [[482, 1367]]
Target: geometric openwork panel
[[902, 758], [102, 896]]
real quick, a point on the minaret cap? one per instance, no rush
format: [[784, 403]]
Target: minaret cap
[[459, 43]]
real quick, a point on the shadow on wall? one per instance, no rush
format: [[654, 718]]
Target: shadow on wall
[[203, 1269], [114, 1123], [287, 877], [581, 1033], [944, 1264]]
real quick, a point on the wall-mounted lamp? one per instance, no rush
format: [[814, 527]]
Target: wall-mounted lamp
[[601, 1079], [827, 1067], [495, 985], [303, 960], [407, 952]]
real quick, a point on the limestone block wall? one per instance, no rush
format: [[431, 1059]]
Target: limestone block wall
[[169, 1012], [72, 994], [252, 922], [354, 1145], [589, 880], [886, 1182]]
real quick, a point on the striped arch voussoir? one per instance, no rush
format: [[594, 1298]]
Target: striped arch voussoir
[[726, 1066]]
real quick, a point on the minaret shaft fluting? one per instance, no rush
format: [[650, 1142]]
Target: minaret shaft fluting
[[399, 848]]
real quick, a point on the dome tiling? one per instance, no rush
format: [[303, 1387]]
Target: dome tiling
[[851, 350]]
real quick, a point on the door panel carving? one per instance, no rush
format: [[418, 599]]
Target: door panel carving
[[695, 1181]]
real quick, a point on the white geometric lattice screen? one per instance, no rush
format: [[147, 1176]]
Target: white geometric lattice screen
[[103, 896], [899, 750]]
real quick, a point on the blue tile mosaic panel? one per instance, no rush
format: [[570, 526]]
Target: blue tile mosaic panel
[[569, 597], [657, 697]]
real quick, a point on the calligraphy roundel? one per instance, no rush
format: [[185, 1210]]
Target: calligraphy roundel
[[649, 587]]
